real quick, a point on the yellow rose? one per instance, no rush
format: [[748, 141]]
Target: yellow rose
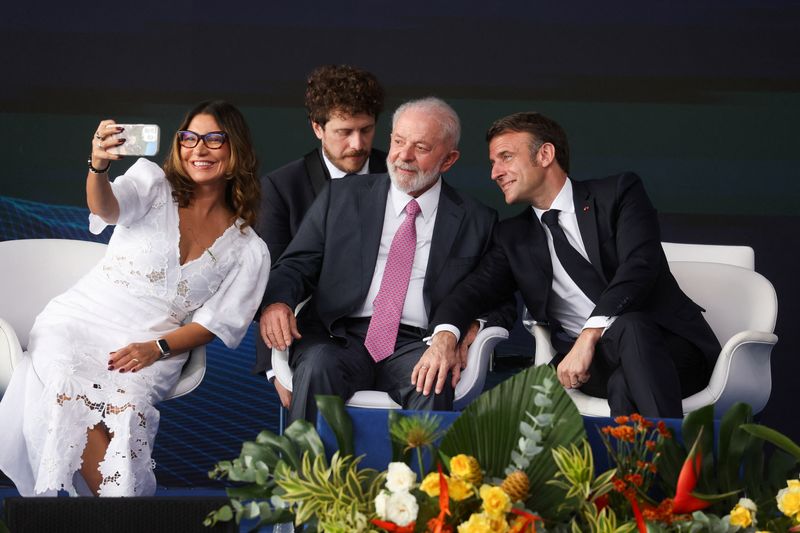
[[744, 513], [466, 467], [430, 485], [477, 523], [741, 517], [458, 490], [789, 499], [495, 502]]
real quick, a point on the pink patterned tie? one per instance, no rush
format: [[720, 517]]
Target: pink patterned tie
[[388, 304]]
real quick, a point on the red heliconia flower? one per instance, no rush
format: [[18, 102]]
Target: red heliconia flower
[[437, 525], [391, 526], [529, 519], [684, 502]]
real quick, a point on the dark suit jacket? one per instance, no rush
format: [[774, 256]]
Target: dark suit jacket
[[334, 253], [619, 228], [286, 195], [288, 192]]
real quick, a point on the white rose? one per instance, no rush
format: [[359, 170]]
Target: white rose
[[380, 504], [401, 508], [748, 504], [400, 478]]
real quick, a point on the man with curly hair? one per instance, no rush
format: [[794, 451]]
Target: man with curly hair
[[343, 104]]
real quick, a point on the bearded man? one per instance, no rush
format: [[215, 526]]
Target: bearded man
[[377, 254]]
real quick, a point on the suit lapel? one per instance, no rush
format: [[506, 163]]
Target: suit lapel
[[317, 172], [586, 213], [371, 212], [449, 214]]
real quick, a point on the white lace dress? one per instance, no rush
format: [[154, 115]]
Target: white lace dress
[[138, 292]]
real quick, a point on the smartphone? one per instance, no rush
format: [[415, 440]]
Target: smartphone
[[140, 139]]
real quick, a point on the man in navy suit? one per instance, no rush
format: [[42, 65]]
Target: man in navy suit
[[343, 104], [587, 259], [341, 256]]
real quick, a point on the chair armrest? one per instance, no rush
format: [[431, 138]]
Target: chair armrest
[[741, 374], [544, 350], [192, 373], [10, 354], [280, 365], [473, 376]]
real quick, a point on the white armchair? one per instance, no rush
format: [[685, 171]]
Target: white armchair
[[468, 388], [741, 308], [32, 272]]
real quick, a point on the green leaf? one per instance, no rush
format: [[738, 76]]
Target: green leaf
[[701, 422], [398, 449], [332, 409], [731, 445], [305, 437], [277, 442], [775, 437], [488, 429]]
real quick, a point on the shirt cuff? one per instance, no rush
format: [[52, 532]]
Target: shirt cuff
[[600, 322], [444, 327], [270, 375]]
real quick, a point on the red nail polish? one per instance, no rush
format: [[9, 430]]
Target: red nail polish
[[121, 370]]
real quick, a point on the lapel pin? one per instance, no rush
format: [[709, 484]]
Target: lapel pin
[[586, 209]]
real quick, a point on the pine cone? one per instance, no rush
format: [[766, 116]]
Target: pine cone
[[516, 485]]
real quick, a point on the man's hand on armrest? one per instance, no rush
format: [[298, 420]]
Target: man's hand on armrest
[[466, 342], [278, 326], [437, 361]]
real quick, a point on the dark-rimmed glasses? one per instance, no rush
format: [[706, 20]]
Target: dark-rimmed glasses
[[212, 139]]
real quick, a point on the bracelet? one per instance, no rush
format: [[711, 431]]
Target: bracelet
[[98, 171]]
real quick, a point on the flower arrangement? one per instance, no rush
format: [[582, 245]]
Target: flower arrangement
[[518, 460]]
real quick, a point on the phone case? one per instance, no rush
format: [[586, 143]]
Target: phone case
[[140, 139]]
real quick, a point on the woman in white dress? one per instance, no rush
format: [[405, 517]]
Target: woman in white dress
[[183, 266]]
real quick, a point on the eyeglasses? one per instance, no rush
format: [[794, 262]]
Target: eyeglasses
[[212, 140]]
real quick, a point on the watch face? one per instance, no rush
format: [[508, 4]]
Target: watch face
[[163, 346]]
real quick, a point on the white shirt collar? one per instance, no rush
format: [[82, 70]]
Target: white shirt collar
[[336, 173], [563, 201], [428, 201]]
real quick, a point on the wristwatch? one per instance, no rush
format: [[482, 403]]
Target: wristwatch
[[163, 347]]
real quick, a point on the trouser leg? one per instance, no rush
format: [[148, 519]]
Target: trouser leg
[[323, 365], [394, 375], [644, 361]]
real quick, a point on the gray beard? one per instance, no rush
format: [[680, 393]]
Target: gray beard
[[419, 182]]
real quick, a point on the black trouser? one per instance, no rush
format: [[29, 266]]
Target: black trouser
[[325, 365], [641, 367]]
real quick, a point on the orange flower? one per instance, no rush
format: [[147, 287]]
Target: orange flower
[[624, 433], [621, 420], [634, 479], [662, 430], [662, 513], [619, 485], [651, 445]]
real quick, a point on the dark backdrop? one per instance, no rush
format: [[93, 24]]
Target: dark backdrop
[[701, 98]]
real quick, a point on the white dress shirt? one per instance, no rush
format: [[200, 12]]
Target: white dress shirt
[[568, 303], [414, 308], [335, 173]]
